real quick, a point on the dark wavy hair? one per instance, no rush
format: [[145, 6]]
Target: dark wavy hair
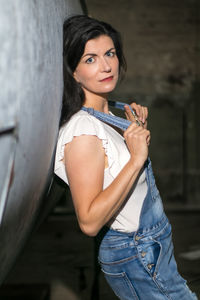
[[77, 31]]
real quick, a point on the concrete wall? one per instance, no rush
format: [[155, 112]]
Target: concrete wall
[[30, 101], [161, 43]]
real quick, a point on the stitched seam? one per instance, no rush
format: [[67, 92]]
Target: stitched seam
[[123, 276], [118, 261]]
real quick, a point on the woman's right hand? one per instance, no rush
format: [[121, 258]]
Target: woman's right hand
[[137, 139]]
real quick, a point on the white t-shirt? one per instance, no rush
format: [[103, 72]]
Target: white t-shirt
[[81, 123]]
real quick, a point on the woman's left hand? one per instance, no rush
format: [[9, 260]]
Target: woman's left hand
[[141, 112]]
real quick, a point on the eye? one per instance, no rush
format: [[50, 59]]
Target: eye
[[110, 53], [90, 60]]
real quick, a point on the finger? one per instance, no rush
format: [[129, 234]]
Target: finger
[[143, 114], [146, 112], [145, 133], [140, 111], [141, 117], [127, 116], [128, 113], [148, 141], [132, 116], [135, 132], [137, 108], [145, 117], [148, 138], [132, 128], [145, 124], [148, 135]]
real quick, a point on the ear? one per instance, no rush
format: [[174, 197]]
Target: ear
[[75, 76]]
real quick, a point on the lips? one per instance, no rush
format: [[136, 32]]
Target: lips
[[107, 79]]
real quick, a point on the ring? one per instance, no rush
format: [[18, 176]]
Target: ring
[[136, 119]]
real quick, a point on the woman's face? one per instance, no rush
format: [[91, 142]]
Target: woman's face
[[98, 69]]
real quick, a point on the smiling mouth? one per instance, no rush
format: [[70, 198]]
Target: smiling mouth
[[107, 79]]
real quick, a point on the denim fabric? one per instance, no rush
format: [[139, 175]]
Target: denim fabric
[[116, 121], [141, 265]]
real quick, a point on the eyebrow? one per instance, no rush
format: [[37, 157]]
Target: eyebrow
[[93, 54]]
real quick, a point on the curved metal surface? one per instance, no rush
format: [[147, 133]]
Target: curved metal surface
[[30, 101]]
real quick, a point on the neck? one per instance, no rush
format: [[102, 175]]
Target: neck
[[98, 102]]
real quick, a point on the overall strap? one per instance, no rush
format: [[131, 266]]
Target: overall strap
[[116, 121], [112, 120]]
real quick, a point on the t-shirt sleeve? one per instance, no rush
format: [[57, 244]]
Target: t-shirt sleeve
[[77, 126]]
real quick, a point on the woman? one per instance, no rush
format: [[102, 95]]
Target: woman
[[108, 171]]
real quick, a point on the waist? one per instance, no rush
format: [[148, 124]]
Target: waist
[[107, 234]]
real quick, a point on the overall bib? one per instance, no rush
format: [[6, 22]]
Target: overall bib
[[141, 265]]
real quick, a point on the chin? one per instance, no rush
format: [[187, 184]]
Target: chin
[[105, 91], [109, 87]]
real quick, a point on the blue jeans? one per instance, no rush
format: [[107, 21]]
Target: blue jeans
[[141, 265]]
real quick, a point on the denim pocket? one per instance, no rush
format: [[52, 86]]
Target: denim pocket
[[121, 285], [116, 252], [116, 242]]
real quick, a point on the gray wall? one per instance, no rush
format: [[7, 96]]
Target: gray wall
[[161, 43], [30, 101]]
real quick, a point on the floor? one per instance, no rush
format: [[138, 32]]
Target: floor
[[59, 256]]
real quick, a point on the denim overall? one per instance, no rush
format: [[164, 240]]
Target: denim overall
[[141, 265]]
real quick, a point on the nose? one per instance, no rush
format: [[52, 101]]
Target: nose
[[105, 66]]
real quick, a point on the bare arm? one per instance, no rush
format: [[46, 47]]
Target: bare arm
[[85, 161]]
